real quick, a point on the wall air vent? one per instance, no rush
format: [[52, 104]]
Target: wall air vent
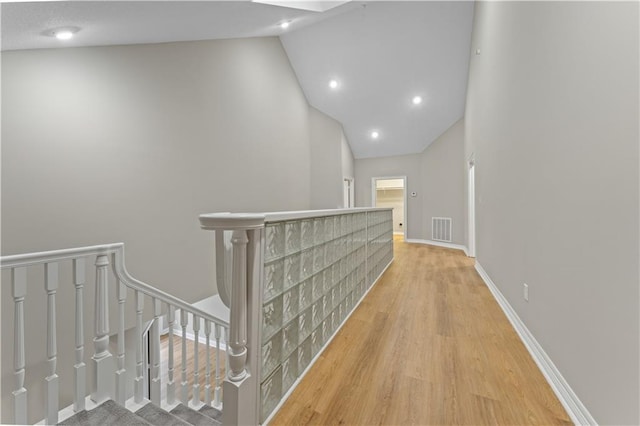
[[441, 229]]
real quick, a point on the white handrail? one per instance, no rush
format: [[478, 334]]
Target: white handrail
[[119, 268]]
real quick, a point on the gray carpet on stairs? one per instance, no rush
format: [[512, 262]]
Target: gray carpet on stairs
[[191, 416], [107, 414], [214, 413], [158, 416]]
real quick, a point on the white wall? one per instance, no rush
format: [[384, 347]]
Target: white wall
[[443, 182], [131, 144], [552, 119], [347, 159]]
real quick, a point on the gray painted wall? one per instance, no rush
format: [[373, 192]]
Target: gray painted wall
[[437, 175], [326, 138], [443, 182], [131, 144], [552, 119]]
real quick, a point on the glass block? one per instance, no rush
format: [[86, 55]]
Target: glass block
[[274, 246], [305, 324], [343, 224], [326, 329], [306, 269], [329, 228], [304, 354], [274, 279], [335, 296], [343, 310], [289, 338], [343, 289], [293, 237], [318, 231], [291, 270], [271, 317], [328, 280], [306, 231], [317, 313], [304, 291], [271, 354], [335, 273], [289, 371], [334, 320], [343, 268], [290, 304], [326, 304], [271, 393], [316, 340], [318, 258], [318, 286]]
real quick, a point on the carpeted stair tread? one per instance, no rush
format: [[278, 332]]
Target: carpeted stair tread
[[157, 416], [190, 415], [209, 411], [106, 414]]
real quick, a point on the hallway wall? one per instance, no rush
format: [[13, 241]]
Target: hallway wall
[[131, 144], [552, 120]]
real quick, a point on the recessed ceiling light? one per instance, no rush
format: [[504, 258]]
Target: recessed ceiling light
[[375, 134], [65, 33], [284, 25], [333, 84], [417, 100]]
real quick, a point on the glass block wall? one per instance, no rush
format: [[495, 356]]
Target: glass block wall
[[316, 270]]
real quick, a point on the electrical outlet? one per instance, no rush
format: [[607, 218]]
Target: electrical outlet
[[526, 292]]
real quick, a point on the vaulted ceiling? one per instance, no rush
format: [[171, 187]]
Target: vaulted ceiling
[[381, 54]]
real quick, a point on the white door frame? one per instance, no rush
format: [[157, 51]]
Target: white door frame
[[351, 202], [374, 197], [471, 206]]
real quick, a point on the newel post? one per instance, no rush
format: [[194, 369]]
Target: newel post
[[241, 386], [102, 358]]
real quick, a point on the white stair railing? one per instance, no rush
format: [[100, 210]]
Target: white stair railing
[[110, 377]]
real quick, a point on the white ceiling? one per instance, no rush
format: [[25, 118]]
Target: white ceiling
[[382, 53]]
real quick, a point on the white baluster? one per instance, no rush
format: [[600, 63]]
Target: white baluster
[[156, 384], [121, 371], [51, 400], [19, 290], [236, 347], [226, 352], [217, 393], [207, 376], [196, 374], [184, 395], [171, 386], [79, 369], [139, 380], [103, 365]]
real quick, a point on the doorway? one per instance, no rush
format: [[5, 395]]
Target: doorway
[[471, 202], [390, 192]]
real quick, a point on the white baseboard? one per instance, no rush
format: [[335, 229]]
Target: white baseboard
[[569, 400], [440, 244]]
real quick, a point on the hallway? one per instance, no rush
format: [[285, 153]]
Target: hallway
[[428, 345]]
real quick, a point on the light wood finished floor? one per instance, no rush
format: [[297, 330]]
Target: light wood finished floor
[[428, 345], [202, 365]]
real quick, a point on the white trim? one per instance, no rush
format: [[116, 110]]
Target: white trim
[[439, 244], [569, 400], [322, 349]]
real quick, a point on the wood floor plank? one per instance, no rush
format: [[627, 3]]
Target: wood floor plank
[[428, 345]]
